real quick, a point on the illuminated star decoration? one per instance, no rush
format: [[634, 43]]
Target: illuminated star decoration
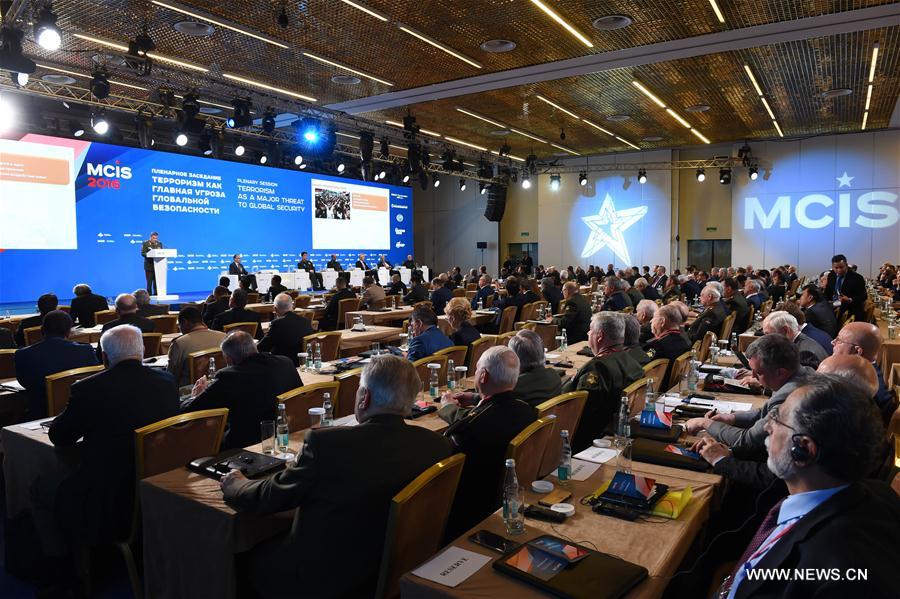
[[607, 227], [844, 180]]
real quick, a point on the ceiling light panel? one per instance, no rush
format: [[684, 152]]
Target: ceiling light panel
[[762, 98], [218, 21], [266, 86], [541, 4], [366, 9], [656, 100], [433, 42], [717, 10]]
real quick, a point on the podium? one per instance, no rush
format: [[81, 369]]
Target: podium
[[160, 268]]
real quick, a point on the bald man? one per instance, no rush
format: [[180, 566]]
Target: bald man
[[855, 369], [864, 339]]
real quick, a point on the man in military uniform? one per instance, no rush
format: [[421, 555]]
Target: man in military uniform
[[314, 277], [151, 244], [604, 377], [712, 316], [577, 316]]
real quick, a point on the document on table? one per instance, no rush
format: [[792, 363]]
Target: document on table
[[596, 455], [35, 424], [452, 566], [12, 386], [725, 407], [582, 469]]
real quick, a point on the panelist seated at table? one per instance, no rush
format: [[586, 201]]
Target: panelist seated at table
[[711, 318], [417, 292], [236, 268], [329, 321], [373, 294], [822, 442], [54, 353], [333, 264], [397, 287], [342, 485], [410, 263], [604, 377], [383, 262], [145, 308], [314, 277], [195, 336], [84, 304], [238, 312], [363, 264], [126, 312], [576, 316], [248, 386], [95, 503], [45, 304], [425, 336], [286, 331]]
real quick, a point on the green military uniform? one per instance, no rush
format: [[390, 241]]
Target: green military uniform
[[639, 355], [710, 319], [738, 305], [576, 319], [149, 273], [603, 378]]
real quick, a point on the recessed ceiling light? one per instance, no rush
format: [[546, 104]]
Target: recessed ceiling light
[[345, 79], [498, 46], [618, 118], [210, 110], [58, 79], [501, 132], [194, 28], [697, 108], [836, 93], [653, 138], [611, 22], [108, 60]]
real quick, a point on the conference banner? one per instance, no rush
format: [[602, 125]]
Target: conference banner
[[75, 211]]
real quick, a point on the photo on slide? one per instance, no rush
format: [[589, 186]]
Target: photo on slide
[[331, 204]]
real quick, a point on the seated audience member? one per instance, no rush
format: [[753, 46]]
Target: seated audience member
[[711, 317], [513, 298], [644, 314], [373, 296], [84, 304], [576, 316], [45, 304], [472, 277], [417, 292], [7, 339], [551, 293], [286, 331], [737, 305], [536, 383], [126, 310], [145, 308], [440, 295], [485, 290], [54, 353], [646, 290], [753, 292], [669, 339], [276, 287], [397, 287], [611, 370], [425, 336], [329, 321], [338, 495], [822, 442], [633, 294], [816, 334], [195, 336], [483, 435], [247, 386], [864, 339], [216, 306], [817, 311], [777, 288], [616, 298], [237, 312], [854, 369], [464, 332], [632, 342], [224, 282], [672, 290], [782, 323], [94, 504], [532, 291], [456, 276]]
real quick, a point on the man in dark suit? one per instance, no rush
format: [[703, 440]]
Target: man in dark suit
[[94, 504], [417, 292], [45, 304], [440, 295], [286, 332], [383, 262], [314, 277], [847, 287], [659, 280], [616, 296], [648, 291], [576, 317], [219, 304], [333, 264], [342, 489], [513, 298], [236, 268], [822, 442], [691, 288], [247, 386], [84, 304], [54, 353], [782, 323], [329, 321], [149, 273], [238, 312], [552, 294], [426, 336], [817, 311], [362, 264], [7, 339], [397, 287], [485, 290], [145, 308], [527, 262], [817, 335], [737, 304], [712, 316], [126, 309], [410, 263]]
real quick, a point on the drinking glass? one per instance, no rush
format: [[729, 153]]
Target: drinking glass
[[315, 417], [303, 358], [376, 348], [267, 432], [714, 354], [404, 341], [623, 460]]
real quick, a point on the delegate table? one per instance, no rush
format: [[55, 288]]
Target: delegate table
[[379, 316]]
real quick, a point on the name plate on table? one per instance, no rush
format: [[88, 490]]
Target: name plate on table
[[597, 455], [452, 566]]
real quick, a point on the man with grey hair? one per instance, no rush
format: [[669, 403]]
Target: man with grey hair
[[753, 292], [286, 331], [341, 487], [644, 313], [485, 290], [145, 308], [483, 435], [248, 386], [94, 504], [633, 294], [647, 290], [616, 298], [537, 383], [126, 309], [711, 317], [85, 304], [632, 338], [551, 293], [576, 317], [784, 324], [604, 377]]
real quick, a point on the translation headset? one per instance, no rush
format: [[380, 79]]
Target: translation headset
[[799, 452]]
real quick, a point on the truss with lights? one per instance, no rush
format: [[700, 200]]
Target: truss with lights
[[711, 163]]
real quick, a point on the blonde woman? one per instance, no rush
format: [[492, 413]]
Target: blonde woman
[[458, 312]]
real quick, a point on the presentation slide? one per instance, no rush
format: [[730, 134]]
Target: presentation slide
[[73, 211]]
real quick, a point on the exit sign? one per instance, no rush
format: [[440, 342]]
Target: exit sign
[[712, 229], [525, 233]]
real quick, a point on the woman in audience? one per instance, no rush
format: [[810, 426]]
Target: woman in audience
[[777, 289], [458, 312]]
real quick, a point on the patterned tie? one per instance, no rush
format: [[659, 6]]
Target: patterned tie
[[762, 533]]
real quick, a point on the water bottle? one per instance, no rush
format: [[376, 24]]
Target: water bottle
[[622, 440], [481, 303], [734, 342], [513, 517], [650, 394], [564, 470], [623, 427], [693, 373], [211, 372], [282, 432], [434, 380], [451, 374], [328, 417], [317, 357], [565, 341]]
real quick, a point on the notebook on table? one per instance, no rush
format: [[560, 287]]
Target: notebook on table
[[667, 454]]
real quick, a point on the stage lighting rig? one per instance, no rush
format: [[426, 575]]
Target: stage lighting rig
[[410, 128], [268, 121], [482, 188], [366, 146], [19, 79], [241, 116], [136, 59], [531, 164], [11, 58], [462, 184], [555, 182], [282, 18], [505, 149], [642, 176], [100, 84], [99, 123], [144, 124], [414, 157], [435, 180], [205, 144], [725, 176], [753, 172], [701, 175], [582, 178], [46, 32], [385, 147]]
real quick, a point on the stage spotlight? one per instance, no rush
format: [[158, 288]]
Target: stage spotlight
[[307, 129], [406, 177], [241, 116], [7, 114], [385, 148], [46, 32], [462, 184], [298, 159], [526, 180], [268, 121], [435, 181], [382, 174], [341, 167], [482, 188], [19, 79], [263, 158], [205, 144], [725, 176], [366, 145], [754, 173], [100, 124], [239, 149], [701, 175], [582, 178], [76, 129], [100, 85], [642, 176], [555, 181], [181, 139]]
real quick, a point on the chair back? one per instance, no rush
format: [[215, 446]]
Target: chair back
[[59, 386], [472, 287], [64, 308], [331, 344], [444, 326], [33, 335], [165, 323], [528, 448], [751, 313], [104, 316], [567, 408], [527, 312], [416, 522], [198, 362], [508, 319], [425, 372], [350, 304], [7, 363], [708, 339], [172, 443], [503, 339], [766, 307], [252, 297], [795, 285], [478, 347], [391, 300], [247, 327], [152, 344], [548, 334], [457, 353], [297, 402], [636, 393], [488, 301], [302, 301], [681, 365], [377, 304], [869, 308], [424, 303], [459, 292], [656, 370], [727, 326], [346, 398]]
